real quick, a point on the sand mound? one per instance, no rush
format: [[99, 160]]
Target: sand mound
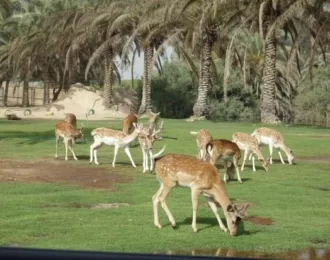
[[81, 101]]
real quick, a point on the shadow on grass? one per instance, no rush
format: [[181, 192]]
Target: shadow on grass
[[212, 222], [35, 137]]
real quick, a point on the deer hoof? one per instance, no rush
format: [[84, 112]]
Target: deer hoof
[[159, 226]]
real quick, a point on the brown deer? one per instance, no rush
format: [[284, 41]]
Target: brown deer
[[273, 138], [203, 137], [69, 133], [71, 118], [202, 178], [127, 124], [227, 151], [249, 144]]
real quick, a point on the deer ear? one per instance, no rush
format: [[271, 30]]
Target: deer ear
[[157, 114], [230, 208]]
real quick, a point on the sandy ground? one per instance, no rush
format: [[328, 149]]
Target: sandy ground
[[79, 100]]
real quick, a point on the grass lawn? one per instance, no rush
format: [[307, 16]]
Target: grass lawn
[[296, 198]]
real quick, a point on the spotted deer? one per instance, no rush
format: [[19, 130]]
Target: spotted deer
[[227, 151], [274, 139], [69, 133], [203, 137], [118, 139], [202, 178], [146, 138], [249, 144]]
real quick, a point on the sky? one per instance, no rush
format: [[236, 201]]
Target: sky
[[138, 66]]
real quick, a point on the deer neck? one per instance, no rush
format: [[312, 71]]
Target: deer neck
[[129, 138], [259, 154], [222, 197], [285, 149]]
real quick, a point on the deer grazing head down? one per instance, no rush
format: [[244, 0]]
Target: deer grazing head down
[[202, 178]]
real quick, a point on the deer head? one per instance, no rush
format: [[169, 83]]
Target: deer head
[[234, 214]]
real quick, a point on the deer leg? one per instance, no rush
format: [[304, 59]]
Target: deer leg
[[66, 148], [253, 163], [93, 152], [126, 149], [70, 142], [225, 175], [271, 152], [194, 197], [115, 155], [214, 208], [279, 153], [244, 159], [56, 147], [151, 160], [161, 197], [155, 202], [144, 160], [237, 171]]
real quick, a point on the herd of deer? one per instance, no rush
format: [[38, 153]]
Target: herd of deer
[[199, 174]]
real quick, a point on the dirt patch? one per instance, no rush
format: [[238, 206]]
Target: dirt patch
[[313, 158], [61, 172], [259, 220]]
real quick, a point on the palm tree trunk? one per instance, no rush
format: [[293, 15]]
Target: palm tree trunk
[[61, 81], [5, 95], [268, 106], [108, 79], [25, 98], [146, 88], [201, 106], [46, 79], [132, 67]]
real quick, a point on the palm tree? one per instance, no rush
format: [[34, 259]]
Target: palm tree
[[285, 15], [204, 22]]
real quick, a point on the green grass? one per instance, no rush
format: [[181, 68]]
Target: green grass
[[289, 195]]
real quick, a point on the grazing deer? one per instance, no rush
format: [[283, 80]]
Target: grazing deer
[[274, 139], [220, 149], [202, 178], [203, 137], [128, 122], [69, 133], [249, 144], [127, 125], [114, 138], [146, 138], [71, 118]]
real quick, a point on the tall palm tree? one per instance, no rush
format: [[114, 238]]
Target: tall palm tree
[[284, 15], [204, 22]]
